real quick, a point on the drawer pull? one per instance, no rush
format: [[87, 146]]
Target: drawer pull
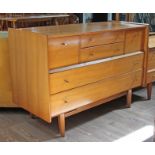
[[66, 81], [91, 54], [90, 39], [65, 101], [65, 44]]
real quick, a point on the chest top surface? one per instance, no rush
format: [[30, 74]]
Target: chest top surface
[[79, 29]]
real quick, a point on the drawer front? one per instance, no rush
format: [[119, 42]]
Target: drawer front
[[75, 98], [101, 38], [69, 79], [133, 41], [151, 77], [63, 51], [151, 61], [102, 51]]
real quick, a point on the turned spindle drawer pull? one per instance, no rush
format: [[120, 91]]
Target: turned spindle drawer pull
[[65, 44]]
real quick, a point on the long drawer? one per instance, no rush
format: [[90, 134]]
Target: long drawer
[[63, 51], [151, 76], [109, 67], [75, 98], [102, 38], [102, 51], [151, 61]]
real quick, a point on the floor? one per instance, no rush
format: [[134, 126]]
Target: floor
[[106, 123]]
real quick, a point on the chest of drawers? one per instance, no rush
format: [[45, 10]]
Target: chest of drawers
[[63, 70]]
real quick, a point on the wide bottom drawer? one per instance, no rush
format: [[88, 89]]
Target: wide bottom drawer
[[75, 98], [151, 76]]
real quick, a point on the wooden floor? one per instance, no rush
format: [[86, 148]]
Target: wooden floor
[[108, 122]]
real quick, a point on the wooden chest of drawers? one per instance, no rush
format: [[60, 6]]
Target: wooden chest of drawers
[[62, 70]]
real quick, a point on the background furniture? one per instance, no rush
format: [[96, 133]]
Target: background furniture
[[151, 65], [63, 70], [22, 20]]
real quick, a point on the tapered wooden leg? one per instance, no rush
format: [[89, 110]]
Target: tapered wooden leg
[[61, 123], [129, 98], [149, 91]]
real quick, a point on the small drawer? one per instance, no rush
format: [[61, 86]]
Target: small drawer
[[151, 76], [101, 51], [63, 51], [69, 79], [151, 60], [101, 38], [133, 41], [78, 97]]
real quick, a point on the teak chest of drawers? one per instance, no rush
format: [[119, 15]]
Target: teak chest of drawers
[[63, 70]]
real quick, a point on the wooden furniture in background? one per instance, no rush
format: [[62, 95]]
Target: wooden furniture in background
[[151, 65], [58, 71], [34, 19], [128, 17], [5, 75]]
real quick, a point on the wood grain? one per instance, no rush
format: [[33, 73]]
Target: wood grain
[[73, 78], [133, 40], [30, 72], [63, 51], [151, 59], [5, 79], [72, 99], [102, 51], [101, 38]]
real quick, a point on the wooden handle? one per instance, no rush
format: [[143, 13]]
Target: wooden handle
[[65, 44]]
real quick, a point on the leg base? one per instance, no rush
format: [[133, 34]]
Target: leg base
[[149, 91], [61, 123], [129, 98]]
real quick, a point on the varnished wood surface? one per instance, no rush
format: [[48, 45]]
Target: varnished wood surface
[[63, 51], [48, 51], [102, 51], [61, 69], [151, 76], [5, 77], [81, 76], [30, 72], [152, 41], [151, 59], [133, 40], [100, 38], [89, 28], [75, 98], [106, 123]]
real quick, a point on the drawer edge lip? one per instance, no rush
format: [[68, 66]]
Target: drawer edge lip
[[151, 70], [51, 71]]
